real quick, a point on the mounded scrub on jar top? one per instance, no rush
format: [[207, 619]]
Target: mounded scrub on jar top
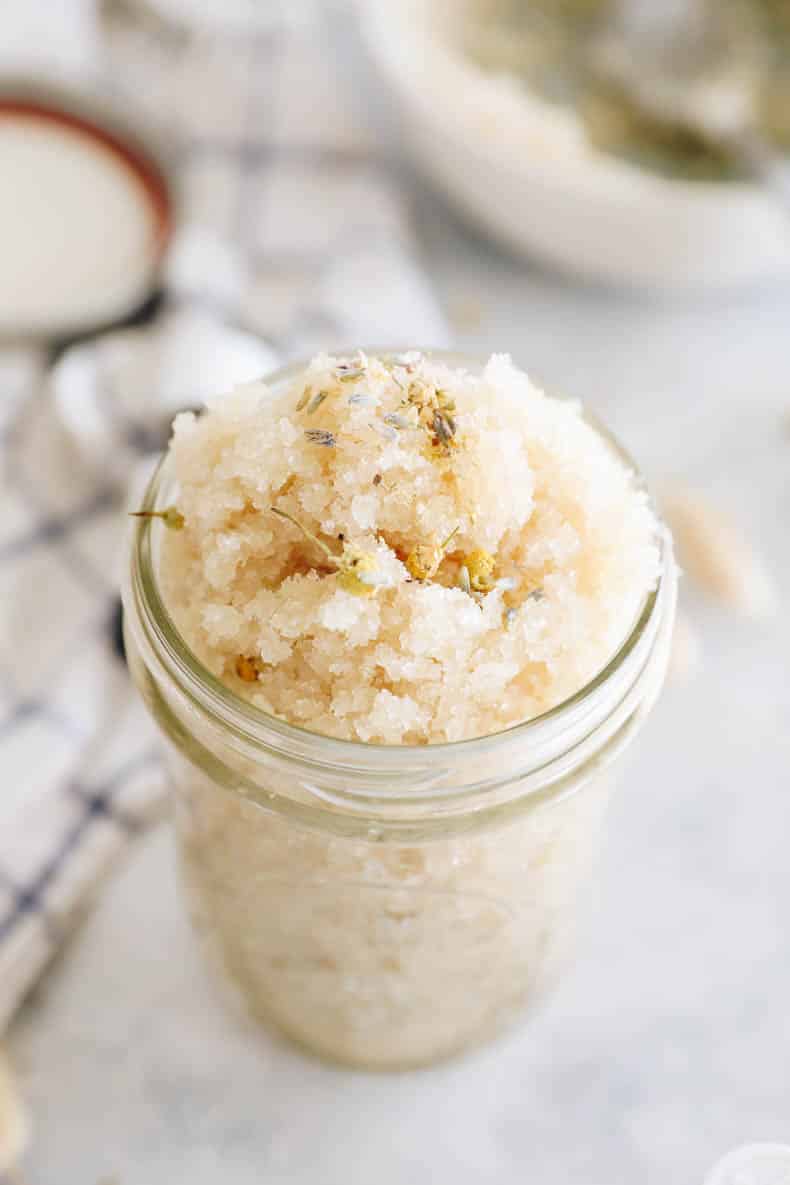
[[390, 549]]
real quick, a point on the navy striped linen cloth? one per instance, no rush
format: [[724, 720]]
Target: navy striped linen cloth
[[274, 158]]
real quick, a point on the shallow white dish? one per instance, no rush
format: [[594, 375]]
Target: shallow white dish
[[522, 172]]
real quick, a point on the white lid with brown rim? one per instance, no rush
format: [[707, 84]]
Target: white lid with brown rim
[[86, 213]]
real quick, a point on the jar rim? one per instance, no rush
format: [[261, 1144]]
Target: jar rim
[[254, 725]]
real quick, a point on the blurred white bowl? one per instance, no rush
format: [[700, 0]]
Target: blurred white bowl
[[522, 171], [233, 16]]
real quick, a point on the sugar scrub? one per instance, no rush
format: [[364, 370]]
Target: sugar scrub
[[391, 550]]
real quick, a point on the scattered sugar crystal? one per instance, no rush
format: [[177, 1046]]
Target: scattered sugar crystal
[[392, 716], [341, 612], [363, 511]]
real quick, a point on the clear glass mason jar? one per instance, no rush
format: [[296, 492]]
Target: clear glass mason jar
[[383, 906]]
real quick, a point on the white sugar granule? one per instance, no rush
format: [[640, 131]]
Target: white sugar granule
[[353, 451]]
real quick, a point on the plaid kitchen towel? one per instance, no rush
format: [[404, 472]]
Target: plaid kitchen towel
[[296, 229]]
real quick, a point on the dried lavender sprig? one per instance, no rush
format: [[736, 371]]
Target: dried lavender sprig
[[444, 426], [321, 436], [349, 375]]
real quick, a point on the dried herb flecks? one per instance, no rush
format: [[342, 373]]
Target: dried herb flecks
[[321, 436], [248, 669], [424, 560], [171, 517], [357, 570], [316, 402]]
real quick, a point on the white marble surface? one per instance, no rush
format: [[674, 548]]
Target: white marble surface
[[671, 1041]]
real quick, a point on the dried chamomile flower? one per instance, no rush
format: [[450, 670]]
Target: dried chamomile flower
[[419, 394], [171, 517], [424, 559], [480, 565], [433, 408], [248, 669], [357, 570]]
